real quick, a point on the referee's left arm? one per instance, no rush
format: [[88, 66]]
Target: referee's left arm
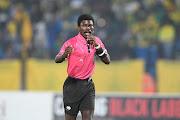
[[102, 53], [106, 59]]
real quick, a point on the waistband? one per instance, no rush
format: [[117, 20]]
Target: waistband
[[88, 79]]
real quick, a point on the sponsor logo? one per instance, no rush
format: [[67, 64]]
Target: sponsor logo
[[68, 108], [81, 60]]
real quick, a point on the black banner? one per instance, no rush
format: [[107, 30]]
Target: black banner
[[129, 107]]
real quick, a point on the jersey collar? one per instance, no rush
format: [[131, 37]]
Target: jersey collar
[[81, 38]]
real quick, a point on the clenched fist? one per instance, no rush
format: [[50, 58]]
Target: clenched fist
[[68, 50], [92, 40]]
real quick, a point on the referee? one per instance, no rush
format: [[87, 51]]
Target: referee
[[81, 52]]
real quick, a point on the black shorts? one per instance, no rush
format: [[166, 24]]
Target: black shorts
[[78, 95]]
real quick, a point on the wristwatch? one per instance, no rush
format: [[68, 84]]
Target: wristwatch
[[63, 55], [97, 47]]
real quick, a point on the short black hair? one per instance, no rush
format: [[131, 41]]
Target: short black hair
[[84, 17]]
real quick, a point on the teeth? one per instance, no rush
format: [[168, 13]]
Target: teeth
[[87, 34]]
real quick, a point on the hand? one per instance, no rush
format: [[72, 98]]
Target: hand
[[92, 40], [68, 50]]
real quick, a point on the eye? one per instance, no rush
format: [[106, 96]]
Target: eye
[[83, 25]]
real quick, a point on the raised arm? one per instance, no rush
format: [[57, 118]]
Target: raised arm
[[104, 56]]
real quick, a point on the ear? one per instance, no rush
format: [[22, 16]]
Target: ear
[[79, 28]]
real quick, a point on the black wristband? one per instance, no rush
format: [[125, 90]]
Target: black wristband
[[103, 56], [99, 51]]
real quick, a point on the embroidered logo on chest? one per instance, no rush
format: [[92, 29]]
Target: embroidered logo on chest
[[81, 60]]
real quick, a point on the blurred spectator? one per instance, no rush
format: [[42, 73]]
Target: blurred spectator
[[167, 37], [40, 40], [177, 45]]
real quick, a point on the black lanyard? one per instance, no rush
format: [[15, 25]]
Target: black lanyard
[[88, 46]]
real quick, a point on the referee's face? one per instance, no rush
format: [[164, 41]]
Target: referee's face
[[86, 28]]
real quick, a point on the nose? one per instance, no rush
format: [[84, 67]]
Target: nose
[[88, 27]]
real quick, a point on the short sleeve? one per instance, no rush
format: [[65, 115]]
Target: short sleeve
[[67, 43]]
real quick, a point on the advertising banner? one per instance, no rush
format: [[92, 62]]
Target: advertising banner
[[10, 74], [45, 75], [119, 76], [26, 106], [129, 107], [112, 106], [168, 75]]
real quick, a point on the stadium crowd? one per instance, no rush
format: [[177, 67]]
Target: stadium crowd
[[130, 29]]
